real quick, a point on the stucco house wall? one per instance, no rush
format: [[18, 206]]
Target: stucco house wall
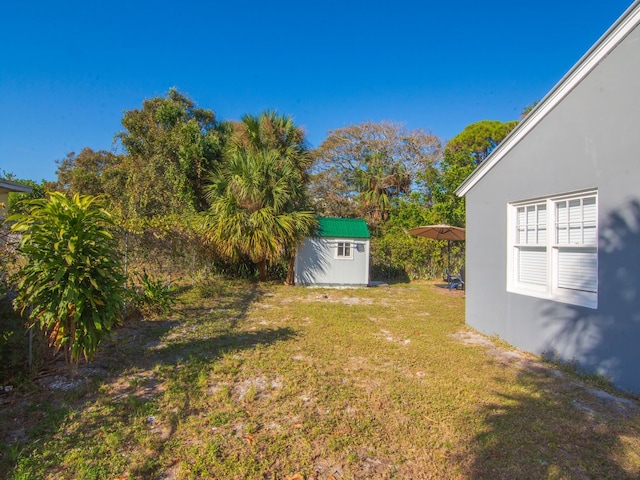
[[588, 140]]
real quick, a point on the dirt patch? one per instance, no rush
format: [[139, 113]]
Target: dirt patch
[[595, 398], [515, 358], [255, 387], [329, 298], [144, 385], [386, 334]]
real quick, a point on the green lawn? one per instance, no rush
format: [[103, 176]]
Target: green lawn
[[267, 381]]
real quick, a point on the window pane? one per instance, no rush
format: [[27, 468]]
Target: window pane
[[589, 210], [561, 212], [542, 214], [519, 225], [590, 235], [532, 265], [575, 211], [531, 215], [575, 234], [562, 234], [347, 249], [341, 249], [578, 269]]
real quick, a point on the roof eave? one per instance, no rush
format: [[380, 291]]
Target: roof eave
[[9, 186], [605, 44]]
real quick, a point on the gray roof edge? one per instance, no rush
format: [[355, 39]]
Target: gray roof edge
[[603, 46], [15, 186]]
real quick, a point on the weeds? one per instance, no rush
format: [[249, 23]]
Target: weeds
[[152, 297]]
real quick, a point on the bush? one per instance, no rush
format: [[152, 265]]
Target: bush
[[402, 256], [151, 296], [72, 276]]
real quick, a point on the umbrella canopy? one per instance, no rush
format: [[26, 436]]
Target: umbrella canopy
[[439, 232]]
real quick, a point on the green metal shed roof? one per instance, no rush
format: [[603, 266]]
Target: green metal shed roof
[[342, 228]]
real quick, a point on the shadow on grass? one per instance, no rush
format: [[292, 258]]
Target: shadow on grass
[[123, 388], [194, 329], [445, 286], [560, 431]]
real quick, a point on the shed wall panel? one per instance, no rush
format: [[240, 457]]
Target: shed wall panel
[[316, 263]]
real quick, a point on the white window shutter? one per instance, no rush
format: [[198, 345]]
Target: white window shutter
[[532, 265], [578, 269]]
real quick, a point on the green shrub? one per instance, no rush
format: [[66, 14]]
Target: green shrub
[[72, 276], [152, 296]]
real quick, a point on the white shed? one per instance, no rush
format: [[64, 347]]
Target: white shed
[[338, 254]]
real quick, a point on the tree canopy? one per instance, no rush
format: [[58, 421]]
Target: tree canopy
[[259, 184], [462, 155], [258, 193], [170, 146], [91, 173], [364, 166]]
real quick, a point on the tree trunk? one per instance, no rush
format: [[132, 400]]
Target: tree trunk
[[262, 270], [291, 280]]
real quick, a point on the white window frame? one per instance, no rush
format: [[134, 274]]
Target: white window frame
[[344, 244], [557, 233]]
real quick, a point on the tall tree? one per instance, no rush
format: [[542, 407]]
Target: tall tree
[[371, 163], [462, 155], [258, 194], [171, 146], [270, 131], [91, 173]]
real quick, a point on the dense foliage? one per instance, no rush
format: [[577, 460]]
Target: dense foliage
[[71, 283], [253, 187], [361, 168], [171, 145], [257, 195]]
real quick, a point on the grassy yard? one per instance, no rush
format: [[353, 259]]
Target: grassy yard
[[266, 381]]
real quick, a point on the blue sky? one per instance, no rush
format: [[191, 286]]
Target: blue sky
[[68, 70]]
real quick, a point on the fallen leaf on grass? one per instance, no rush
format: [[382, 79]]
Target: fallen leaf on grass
[[249, 439], [295, 476]]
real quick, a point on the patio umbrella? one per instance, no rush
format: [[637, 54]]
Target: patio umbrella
[[440, 232]]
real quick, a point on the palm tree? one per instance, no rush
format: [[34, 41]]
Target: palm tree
[[258, 195], [378, 183]]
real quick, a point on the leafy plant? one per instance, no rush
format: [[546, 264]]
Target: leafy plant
[[72, 277], [257, 196], [153, 296]]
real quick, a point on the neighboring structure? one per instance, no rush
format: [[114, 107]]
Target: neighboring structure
[[6, 187], [553, 219], [338, 255]]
